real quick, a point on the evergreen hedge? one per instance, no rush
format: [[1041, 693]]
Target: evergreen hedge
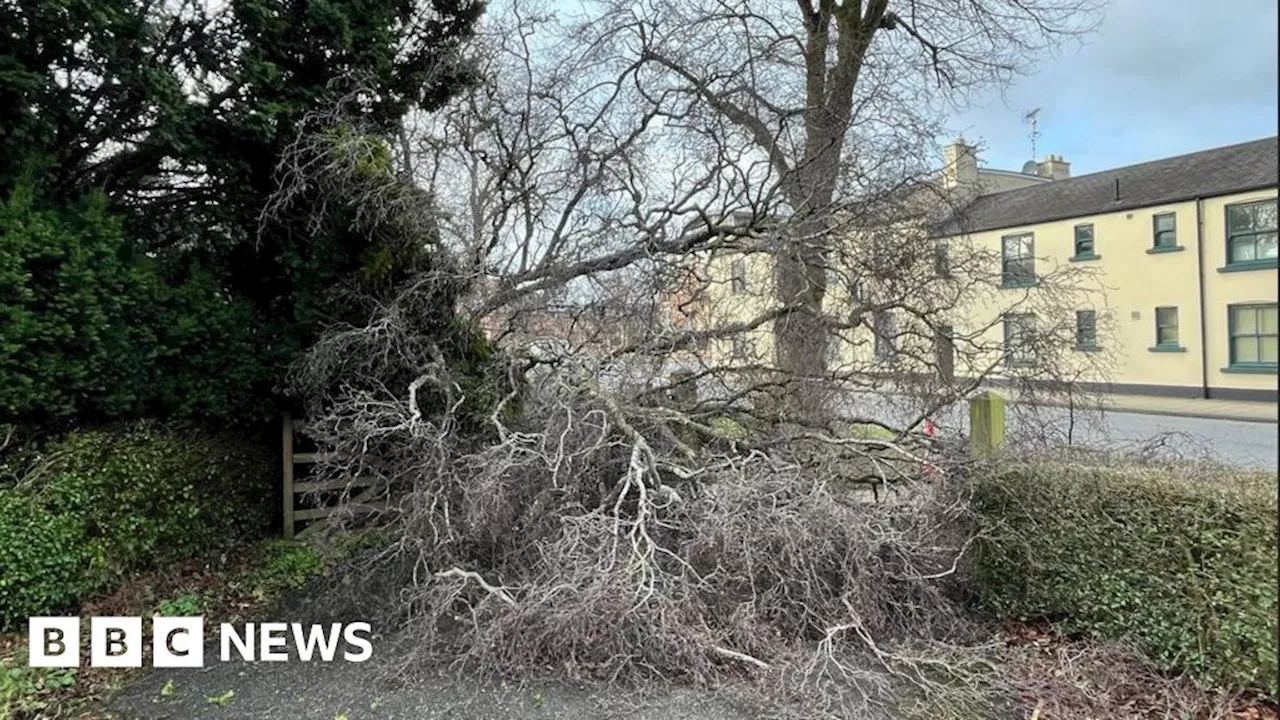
[[1181, 562]]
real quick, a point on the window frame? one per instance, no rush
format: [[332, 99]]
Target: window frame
[[738, 276], [942, 261], [1077, 253], [1087, 344], [1256, 262], [1176, 345], [1258, 365], [1008, 280], [1027, 358], [1156, 245], [884, 331]]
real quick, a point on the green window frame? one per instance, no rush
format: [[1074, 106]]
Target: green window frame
[[1254, 340], [1251, 234], [1164, 231], [1083, 242], [1019, 340], [1167, 328], [1018, 260], [1086, 330]]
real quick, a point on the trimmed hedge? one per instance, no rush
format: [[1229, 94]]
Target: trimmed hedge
[[98, 505], [1184, 567]]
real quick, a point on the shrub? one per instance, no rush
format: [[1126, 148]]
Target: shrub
[[153, 495], [45, 563], [1184, 567], [99, 504], [92, 329], [284, 566]]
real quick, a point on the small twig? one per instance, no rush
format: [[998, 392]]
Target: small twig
[[740, 656]]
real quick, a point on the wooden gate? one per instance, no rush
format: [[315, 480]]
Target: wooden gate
[[321, 498]]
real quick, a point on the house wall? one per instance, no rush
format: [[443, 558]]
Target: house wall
[[1224, 288], [1128, 281], [1124, 285]]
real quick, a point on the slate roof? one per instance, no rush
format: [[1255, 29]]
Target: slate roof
[[1219, 171]]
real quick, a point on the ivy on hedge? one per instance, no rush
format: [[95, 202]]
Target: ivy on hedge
[[98, 505], [1183, 566]]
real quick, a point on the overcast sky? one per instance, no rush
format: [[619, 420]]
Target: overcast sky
[[1161, 78]]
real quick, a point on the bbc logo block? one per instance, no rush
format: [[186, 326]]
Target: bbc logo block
[[54, 642], [178, 642]]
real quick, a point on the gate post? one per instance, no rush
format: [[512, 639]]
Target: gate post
[[986, 423], [288, 476]]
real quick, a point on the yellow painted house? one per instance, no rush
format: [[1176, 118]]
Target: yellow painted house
[[1184, 253], [1179, 257]]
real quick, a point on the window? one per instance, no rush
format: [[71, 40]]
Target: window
[[885, 332], [941, 261], [1167, 328], [1084, 242], [1086, 330], [1019, 340], [1251, 232], [1165, 229], [1018, 260], [738, 278], [1253, 336], [741, 348]]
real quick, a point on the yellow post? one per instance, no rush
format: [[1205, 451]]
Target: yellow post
[[986, 423], [288, 477]]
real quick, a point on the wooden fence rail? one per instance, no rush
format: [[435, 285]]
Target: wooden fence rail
[[364, 502]]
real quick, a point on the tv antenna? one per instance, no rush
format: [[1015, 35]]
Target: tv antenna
[[1033, 118]]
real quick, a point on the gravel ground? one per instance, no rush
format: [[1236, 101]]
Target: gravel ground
[[329, 691]]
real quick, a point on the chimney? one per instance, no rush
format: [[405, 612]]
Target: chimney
[[1054, 168], [960, 165]]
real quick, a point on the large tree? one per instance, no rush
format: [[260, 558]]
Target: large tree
[[838, 96], [181, 113], [651, 138]]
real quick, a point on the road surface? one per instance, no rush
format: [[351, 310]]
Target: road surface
[[1234, 442]]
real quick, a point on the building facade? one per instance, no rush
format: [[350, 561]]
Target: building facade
[[1176, 260], [1184, 254]]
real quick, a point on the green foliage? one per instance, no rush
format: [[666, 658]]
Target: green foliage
[[180, 118], [98, 505], [284, 566], [182, 606], [1184, 567], [44, 560], [728, 428], [25, 689], [90, 330]]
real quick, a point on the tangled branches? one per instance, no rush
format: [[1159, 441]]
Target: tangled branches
[[584, 538]]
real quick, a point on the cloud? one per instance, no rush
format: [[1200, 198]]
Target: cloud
[[1161, 78]]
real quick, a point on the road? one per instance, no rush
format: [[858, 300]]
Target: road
[[1234, 442]]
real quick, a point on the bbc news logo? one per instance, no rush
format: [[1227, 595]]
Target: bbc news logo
[[178, 642]]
